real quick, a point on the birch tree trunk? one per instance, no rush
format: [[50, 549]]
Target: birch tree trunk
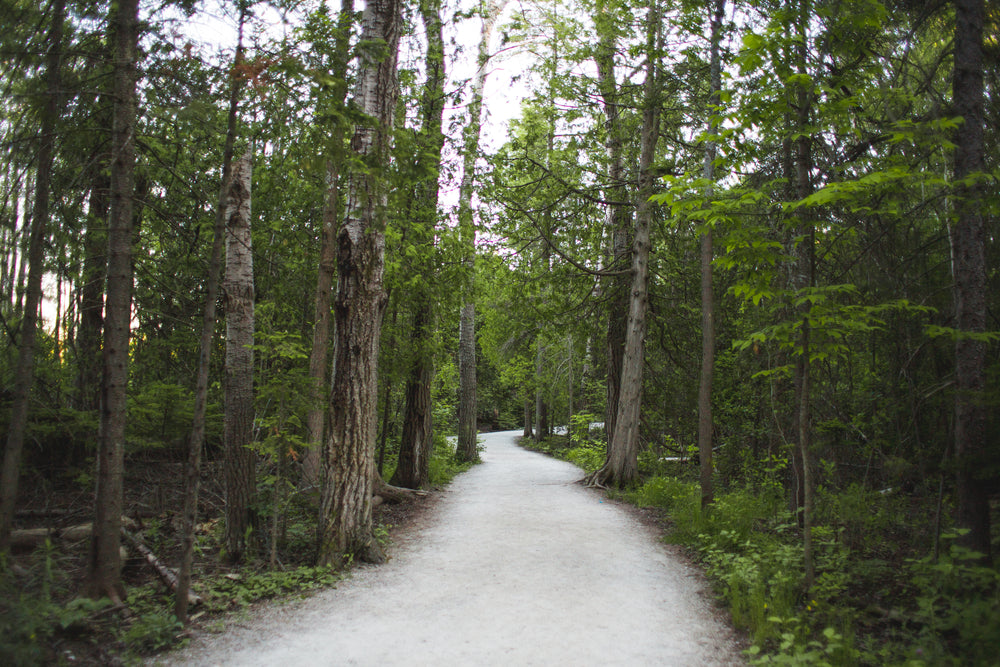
[[196, 439], [348, 471], [9, 476], [969, 243], [622, 464], [104, 569], [240, 460]]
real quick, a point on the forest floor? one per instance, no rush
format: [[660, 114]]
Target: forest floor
[[515, 564]]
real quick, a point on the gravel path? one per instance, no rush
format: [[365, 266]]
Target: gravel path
[[516, 565]]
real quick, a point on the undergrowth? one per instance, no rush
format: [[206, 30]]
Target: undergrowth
[[43, 621], [921, 613], [880, 596]]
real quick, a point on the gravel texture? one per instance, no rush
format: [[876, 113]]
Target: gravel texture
[[518, 564]]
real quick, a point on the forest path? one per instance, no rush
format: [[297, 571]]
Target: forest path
[[516, 565]]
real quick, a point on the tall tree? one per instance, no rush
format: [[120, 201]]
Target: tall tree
[[466, 449], [622, 465], [707, 301], [36, 257], [618, 209], [968, 237], [240, 460], [316, 418], [196, 438], [348, 470], [104, 570], [413, 469]]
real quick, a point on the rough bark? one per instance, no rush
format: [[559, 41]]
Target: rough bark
[[316, 418], [196, 438], [541, 427], [467, 430], [969, 246], [9, 476], [88, 341], [707, 302], [240, 461], [104, 571], [348, 472], [413, 469], [618, 215], [622, 465]]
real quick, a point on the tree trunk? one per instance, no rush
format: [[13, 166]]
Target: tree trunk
[[348, 472], [540, 425], [969, 244], [196, 439], [618, 216], [622, 464], [528, 431], [467, 430], [92, 292], [316, 418], [240, 460], [36, 258], [413, 467], [104, 572], [707, 302], [804, 280], [413, 470]]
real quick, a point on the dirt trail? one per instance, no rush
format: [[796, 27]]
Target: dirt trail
[[517, 565]]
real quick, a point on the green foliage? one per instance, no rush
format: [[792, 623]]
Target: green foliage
[[443, 467], [152, 632], [238, 589], [957, 613], [31, 614]]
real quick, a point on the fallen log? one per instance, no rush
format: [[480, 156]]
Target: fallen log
[[42, 513], [166, 575], [394, 494], [30, 538]]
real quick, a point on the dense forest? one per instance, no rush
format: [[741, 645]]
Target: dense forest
[[738, 260]]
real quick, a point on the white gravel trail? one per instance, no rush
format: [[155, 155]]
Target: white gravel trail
[[516, 565]]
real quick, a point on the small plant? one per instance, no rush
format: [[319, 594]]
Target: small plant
[[153, 632]]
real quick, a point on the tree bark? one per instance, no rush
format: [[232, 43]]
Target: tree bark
[[196, 438], [622, 465], [618, 216], [348, 471], [707, 301], [240, 460], [467, 430], [92, 292], [969, 247], [413, 469], [316, 418], [9, 476], [104, 571], [804, 279]]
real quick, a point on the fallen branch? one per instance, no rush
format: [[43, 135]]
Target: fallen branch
[[166, 575], [394, 494]]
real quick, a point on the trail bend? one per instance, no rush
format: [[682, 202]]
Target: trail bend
[[516, 565]]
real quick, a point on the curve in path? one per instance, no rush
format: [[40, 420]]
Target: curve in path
[[517, 565]]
